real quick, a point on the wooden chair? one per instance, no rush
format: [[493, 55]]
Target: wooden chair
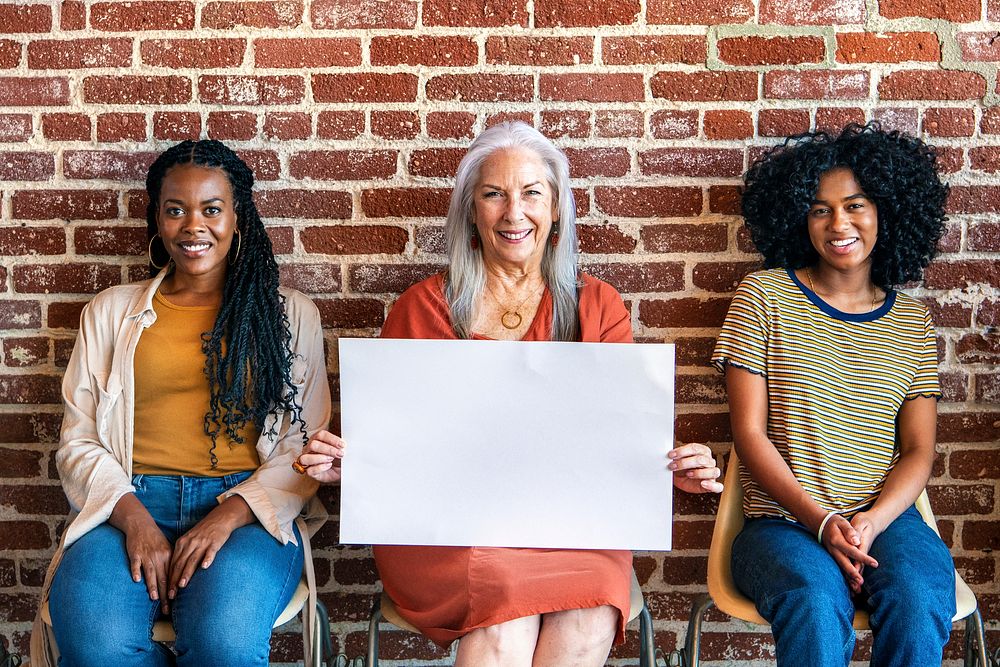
[[722, 591], [385, 609]]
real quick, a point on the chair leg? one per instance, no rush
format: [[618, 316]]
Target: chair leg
[[692, 642], [975, 641], [323, 650], [647, 645], [373, 621]]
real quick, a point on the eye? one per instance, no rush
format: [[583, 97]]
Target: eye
[[213, 211], [533, 193], [815, 212], [491, 194], [173, 211], [856, 205]]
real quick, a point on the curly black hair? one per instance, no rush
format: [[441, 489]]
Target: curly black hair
[[250, 374], [896, 171]]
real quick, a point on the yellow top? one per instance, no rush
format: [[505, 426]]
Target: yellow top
[[172, 399]]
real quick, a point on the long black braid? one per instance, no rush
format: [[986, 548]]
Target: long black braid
[[248, 356]]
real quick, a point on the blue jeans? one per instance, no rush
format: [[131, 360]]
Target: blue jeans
[[224, 615], [799, 589]]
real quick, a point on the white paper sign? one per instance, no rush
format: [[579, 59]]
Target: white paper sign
[[491, 443]]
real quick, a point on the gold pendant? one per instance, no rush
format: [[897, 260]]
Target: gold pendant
[[507, 317]]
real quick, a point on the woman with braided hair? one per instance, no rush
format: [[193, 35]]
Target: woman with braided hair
[[187, 398]]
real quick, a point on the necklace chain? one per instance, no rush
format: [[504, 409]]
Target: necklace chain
[[511, 318], [809, 275]]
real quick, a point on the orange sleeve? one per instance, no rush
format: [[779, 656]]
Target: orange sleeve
[[603, 315]]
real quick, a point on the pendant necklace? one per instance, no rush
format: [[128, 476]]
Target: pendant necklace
[[809, 274], [511, 318]]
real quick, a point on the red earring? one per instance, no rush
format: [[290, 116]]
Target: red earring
[[474, 241], [554, 236]]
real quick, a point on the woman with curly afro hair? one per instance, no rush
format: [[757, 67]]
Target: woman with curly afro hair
[[833, 389]]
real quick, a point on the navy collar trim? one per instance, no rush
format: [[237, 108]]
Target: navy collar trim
[[890, 298]]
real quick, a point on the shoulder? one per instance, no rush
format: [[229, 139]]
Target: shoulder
[[298, 306], [909, 307], [429, 292], [420, 312], [766, 285], [596, 291], [115, 303]]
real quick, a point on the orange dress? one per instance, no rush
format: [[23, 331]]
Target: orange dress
[[448, 591]]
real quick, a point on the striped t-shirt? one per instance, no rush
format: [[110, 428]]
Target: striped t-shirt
[[835, 384]]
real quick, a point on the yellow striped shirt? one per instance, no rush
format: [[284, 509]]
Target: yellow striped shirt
[[835, 383]]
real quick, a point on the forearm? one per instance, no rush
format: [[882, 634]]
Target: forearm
[[902, 487], [129, 512]]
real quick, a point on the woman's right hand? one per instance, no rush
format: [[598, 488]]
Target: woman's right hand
[[843, 542], [321, 457], [147, 549]]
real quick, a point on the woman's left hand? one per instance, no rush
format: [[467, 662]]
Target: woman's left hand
[[198, 547], [868, 527], [694, 469]]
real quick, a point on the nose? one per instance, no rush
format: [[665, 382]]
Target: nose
[[193, 222], [514, 210], [839, 219]]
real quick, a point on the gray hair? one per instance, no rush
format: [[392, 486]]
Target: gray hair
[[466, 272]]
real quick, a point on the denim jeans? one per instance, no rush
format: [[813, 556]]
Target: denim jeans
[[224, 615], [799, 589]]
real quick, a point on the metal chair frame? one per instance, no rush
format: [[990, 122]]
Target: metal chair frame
[[722, 592]]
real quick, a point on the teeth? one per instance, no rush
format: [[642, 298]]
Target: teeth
[[195, 247], [843, 242], [515, 236]]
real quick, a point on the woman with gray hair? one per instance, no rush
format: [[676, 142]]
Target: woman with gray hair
[[512, 275]]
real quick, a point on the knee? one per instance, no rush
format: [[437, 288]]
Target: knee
[[810, 607], [211, 644], [591, 629]]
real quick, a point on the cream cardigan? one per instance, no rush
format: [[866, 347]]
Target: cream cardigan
[[95, 445]]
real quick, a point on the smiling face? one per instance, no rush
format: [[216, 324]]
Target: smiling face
[[514, 209], [196, 218], [842, 221]]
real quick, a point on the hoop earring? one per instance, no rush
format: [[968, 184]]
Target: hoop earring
[[149, 252], [232, 260]]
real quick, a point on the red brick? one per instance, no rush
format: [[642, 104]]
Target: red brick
[[708, 12], [721, 276], [525, 117], [122, 89], [985, 158], [113, 241], [64, 204], [79, 53], [584, 13], [340, 124], [107, 165], [958, 11], [954, 387], [812, 12], [364, 87], [816, 85], [395, 124], [717, 162], [978, 349], [833, 119], [604, 239], [35, 498], [66, 126], [282, 239], [979, 46], [19, 462], [428, 51], [312, 278], [286, 125], [932, 85], [176, 125], [654, 49], [354, 240], [684, 312], [686, 237], [435, 162], [969, 427], [896, 118], [565, 124], [23, 17], [15, 127], [405, 202], [287, 203], [481, 87], [193, 53], [475, 13], [976, 570], [589, 162], [753, 50], [429, 239], [990, 122], [32, 241], [65, 278], [18, 535], [141, 15], [121, 127], [64, 315], [345, 14], [277, 14], [782, 122], [264, 164], [232, 125], [894, 47], [959, 500], [727, 200], [619, 124], [10, 53], [250, 90], [649, 202], [26, 166], [984, 236], [540, 50], [672, 124], [644, 277], [728, 124], [705, 86], [307, 53], [342, 165], [988, 313], [34, 91], [949, 314], [451, 124], [973, 199], [20, 315], [388, 278], [592, 87], [72, 15], [981, 535], [987, 391]]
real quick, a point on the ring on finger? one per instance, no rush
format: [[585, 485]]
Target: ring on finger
[[298, 467]]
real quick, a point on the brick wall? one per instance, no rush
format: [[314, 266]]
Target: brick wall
[[354, 114]]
